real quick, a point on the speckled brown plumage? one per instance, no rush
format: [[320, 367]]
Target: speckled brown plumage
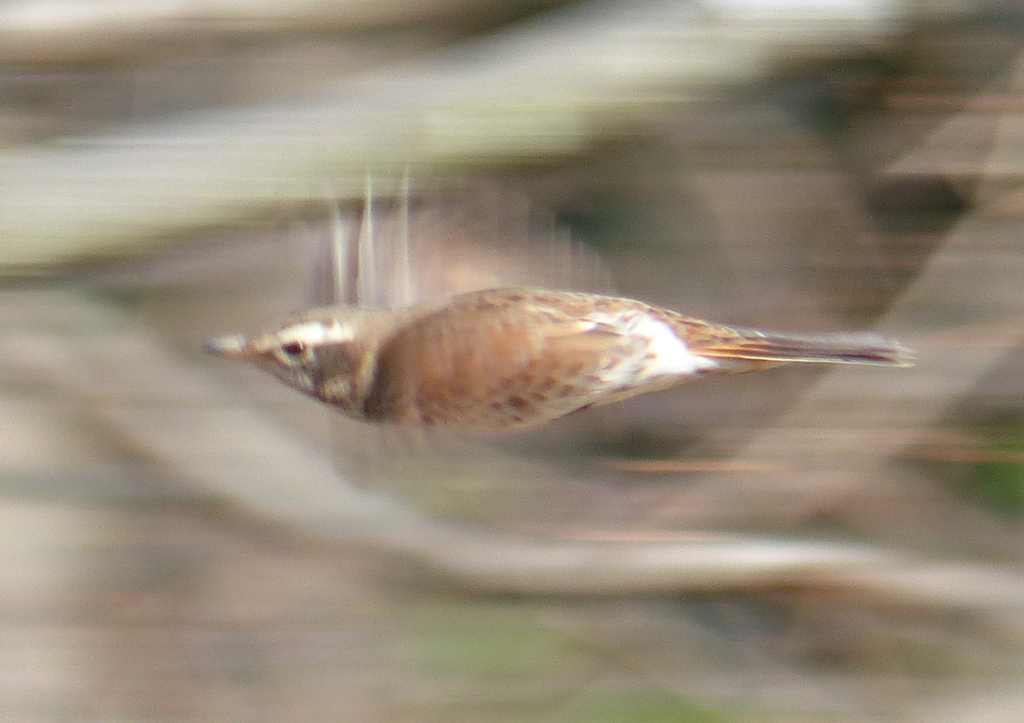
[[516, 357]]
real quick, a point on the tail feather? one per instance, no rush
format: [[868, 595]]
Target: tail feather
[[839, 348]]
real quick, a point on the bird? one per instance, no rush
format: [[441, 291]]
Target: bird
[[506, 359]]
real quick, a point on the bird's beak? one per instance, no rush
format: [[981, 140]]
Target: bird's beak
[[230, 347]]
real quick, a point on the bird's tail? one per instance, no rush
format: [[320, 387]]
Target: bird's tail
[[837, 348]]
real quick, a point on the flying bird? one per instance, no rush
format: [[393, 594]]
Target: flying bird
[[512, 358]]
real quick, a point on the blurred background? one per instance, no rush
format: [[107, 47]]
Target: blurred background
[[185, 540]]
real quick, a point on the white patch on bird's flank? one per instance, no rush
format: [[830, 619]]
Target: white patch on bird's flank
[[672, 357], [312, 333]]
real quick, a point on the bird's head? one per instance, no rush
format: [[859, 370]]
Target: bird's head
[[325, 353]]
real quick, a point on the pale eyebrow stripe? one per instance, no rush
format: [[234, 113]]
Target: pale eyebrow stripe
[[315, 332]]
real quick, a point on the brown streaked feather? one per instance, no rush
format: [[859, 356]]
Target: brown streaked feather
[[485, 362]]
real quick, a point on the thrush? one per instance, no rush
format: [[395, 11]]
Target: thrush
[[512, 358]]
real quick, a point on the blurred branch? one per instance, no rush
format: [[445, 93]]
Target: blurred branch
[[307, 494], [546, 88], [63, 31]]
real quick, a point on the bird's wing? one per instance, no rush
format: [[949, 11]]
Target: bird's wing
[[499, 359]]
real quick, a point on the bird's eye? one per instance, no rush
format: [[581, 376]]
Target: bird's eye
[[294, 348]]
